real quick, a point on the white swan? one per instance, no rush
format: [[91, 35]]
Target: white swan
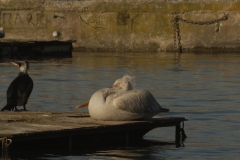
[[122, 102]]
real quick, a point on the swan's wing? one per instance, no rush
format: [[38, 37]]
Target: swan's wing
[[135, 101]]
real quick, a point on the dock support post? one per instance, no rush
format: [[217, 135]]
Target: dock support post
[[177, 133], [70, 144], [127, 138], [41, 49], [11, 50]]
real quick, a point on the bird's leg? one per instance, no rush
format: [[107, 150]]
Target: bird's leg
[[24, 108], [15, 107]]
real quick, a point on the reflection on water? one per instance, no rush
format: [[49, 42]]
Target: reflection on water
[[142, 150], [204, 88]]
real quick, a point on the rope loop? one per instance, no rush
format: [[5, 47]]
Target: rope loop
[[5, 142], [182, 132]]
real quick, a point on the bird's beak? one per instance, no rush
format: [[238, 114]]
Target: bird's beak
[[15, 64], [118, 84], [85, 104]]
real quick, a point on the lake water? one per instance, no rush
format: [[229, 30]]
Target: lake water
[[204, 88]]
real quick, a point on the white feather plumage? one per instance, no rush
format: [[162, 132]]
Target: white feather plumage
[[123, 102]]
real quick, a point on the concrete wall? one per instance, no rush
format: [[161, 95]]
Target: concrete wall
[[123, 25]]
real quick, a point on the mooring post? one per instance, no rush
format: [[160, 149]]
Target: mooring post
[[177, 133]]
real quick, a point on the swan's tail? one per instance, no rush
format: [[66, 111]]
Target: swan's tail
[[7, 107]]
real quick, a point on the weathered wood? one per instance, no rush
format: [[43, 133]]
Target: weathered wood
[[30, 126]]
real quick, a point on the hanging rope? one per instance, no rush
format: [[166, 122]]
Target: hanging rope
[[177, 35], [182, 132], [5, 143]]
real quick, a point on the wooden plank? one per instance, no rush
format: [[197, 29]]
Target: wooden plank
[[28, 126]]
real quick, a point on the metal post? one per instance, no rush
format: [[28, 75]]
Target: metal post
[[177, 133]]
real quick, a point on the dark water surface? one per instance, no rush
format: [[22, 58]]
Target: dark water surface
[[204, 88]]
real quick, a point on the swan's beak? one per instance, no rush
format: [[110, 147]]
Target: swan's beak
[[85, 104]]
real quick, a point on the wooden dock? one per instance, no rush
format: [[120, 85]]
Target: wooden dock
[[72, 129], [14, 48]]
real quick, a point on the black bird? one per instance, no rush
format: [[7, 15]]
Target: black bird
[[20, 89], [2, 34]]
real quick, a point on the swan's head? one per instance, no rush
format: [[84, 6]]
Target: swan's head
[[126, 83]]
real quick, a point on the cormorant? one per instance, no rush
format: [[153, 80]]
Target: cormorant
[[20, 89], [2, 34]]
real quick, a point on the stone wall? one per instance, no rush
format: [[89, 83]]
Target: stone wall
[[124, 25]]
